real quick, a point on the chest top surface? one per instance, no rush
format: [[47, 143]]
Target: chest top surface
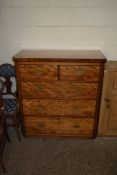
[[60, 55]]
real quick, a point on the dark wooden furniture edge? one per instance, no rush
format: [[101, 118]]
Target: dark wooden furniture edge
[[92, 56]]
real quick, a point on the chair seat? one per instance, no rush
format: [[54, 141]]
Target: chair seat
[[10, 105]]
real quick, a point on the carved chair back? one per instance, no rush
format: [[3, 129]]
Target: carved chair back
[[1, 90], [7, 72], [1, 109]]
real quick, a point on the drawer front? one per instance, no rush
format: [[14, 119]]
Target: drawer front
[[38, 72], [59, 90], [80, 73], [59, 126], [59, 107]]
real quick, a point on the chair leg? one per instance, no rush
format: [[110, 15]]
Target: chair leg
[[2, 165], [7, 136], [16, 127]]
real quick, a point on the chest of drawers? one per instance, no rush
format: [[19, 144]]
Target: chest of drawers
[[59, 92]]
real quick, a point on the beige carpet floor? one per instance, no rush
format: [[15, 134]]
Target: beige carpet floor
[[60, 156]]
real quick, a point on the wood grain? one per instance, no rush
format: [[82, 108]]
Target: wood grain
[[75, 108], [37, 71], [80, 73], [108, 112], [60, 55], [59, 90], [59, 126]]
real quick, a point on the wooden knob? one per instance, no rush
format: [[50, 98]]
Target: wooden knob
[[79, 72], [40, 125], [76, 126], [108, 106], [39, 89], [107, 100]]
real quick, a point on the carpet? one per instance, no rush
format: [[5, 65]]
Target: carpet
[[60, 156]]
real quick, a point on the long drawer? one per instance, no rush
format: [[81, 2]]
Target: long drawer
[[59, 126], [76, 108], [59, 90]]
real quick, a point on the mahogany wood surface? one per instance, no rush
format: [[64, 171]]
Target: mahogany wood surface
[[40, 72], [59, 92], [80, 73], [59, 107], [59, 126], [60, 55]]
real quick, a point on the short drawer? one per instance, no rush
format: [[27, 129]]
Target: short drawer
[[59, 107], [80, 73], [38, 72], [59, 90], [59, 126]]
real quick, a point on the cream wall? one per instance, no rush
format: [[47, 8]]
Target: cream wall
[[58, 24]]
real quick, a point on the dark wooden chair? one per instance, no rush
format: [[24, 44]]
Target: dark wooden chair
[[3, 129], [11, 111]]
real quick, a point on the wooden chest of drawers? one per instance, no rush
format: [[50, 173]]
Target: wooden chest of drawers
[[59, 92]]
